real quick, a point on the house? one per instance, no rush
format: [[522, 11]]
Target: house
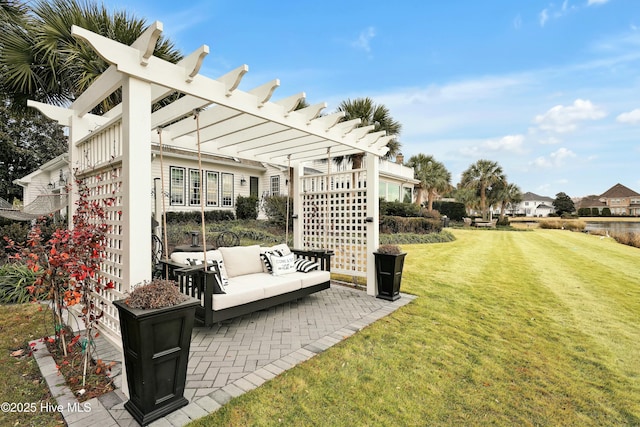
[[621, 200], [533, 205], [591, 202], [225, 178]]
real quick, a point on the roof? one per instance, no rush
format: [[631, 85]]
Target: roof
[[591, 201], [532, 196], [617, 191]]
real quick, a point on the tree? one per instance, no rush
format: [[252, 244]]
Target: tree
[[481, 175], [506, 194], [370, 114], [433, 175], [41, 60], [563, 204], [25, 144]]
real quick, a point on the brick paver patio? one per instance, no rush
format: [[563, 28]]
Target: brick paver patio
[[241, 354]]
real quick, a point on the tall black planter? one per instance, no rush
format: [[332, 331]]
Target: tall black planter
[[156, 352], [389, 275]]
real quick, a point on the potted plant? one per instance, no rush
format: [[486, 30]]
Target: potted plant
[[389, 264], [156, 322]]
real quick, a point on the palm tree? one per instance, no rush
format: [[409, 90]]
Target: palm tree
[[482, 175], [433, 175], [506, 194], [41, 60], [370, 114]]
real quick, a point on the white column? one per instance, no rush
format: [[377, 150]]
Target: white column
[[373, 233], [78, 129], [136, 174], [297, 205]]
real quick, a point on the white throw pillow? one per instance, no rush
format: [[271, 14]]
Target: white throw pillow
[[283, 264], [241, 260]]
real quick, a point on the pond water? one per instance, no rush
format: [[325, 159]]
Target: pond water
[[614, 226]]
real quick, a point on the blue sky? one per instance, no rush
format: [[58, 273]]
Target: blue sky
[[549, 90]]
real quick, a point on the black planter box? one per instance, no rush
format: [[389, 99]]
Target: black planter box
[[389, 275], [156, 352]]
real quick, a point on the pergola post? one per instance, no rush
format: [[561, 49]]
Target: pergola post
[[297, 205], [136, 182], [373, 213]]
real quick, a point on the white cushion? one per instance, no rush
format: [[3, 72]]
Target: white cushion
[[272, 285], [311, 278], [281, 265], [237, 293], [241, 260]]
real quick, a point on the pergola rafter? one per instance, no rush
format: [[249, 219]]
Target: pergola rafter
[[236, 114]]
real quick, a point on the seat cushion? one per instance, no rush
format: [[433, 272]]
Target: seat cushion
[[272, 285], [311, 278], [237, 293]]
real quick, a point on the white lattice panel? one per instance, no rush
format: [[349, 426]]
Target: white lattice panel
[[105, 184], [333, 215]]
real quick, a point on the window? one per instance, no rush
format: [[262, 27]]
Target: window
[[194, 187], [275, 185], [382, 190], [227, 190], [212, 188], [408, 198], [393, 193], [176, 186]]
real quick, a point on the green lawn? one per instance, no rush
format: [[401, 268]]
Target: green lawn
[[511, 328]]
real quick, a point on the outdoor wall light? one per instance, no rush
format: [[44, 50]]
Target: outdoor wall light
[[369, 219], [295, 216], [243, 181]]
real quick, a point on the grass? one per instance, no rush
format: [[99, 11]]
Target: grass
[[21, 379], [537, 328]]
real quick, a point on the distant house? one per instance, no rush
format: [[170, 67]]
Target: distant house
[[533, 205], [621, 200], [592, 202]]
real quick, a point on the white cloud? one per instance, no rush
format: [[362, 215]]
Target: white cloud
[[632, 117], [517, 22], [555, 159], [364, 39], [565, 119], [544, 16], [592, 2], [508, 143], [512, 143]]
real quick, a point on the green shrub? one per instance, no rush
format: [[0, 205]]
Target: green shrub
[[14, 282], [595, 212], [275, 207], [399, 209], [454, 210], [196, 216], [419, 225], [504, 222], [606, 212], [247, 207], [411, 238]]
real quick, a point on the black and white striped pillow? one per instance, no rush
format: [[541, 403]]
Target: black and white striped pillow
[[266, 261], [305, 266]]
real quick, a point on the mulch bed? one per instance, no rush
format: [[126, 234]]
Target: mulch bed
[[98, 380]]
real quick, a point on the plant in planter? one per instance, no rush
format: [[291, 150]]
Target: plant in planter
[[156, 321], [389, 264]]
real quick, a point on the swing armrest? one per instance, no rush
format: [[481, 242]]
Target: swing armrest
[[322, 257]]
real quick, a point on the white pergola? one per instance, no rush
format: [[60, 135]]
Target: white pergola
[[114, 149]]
